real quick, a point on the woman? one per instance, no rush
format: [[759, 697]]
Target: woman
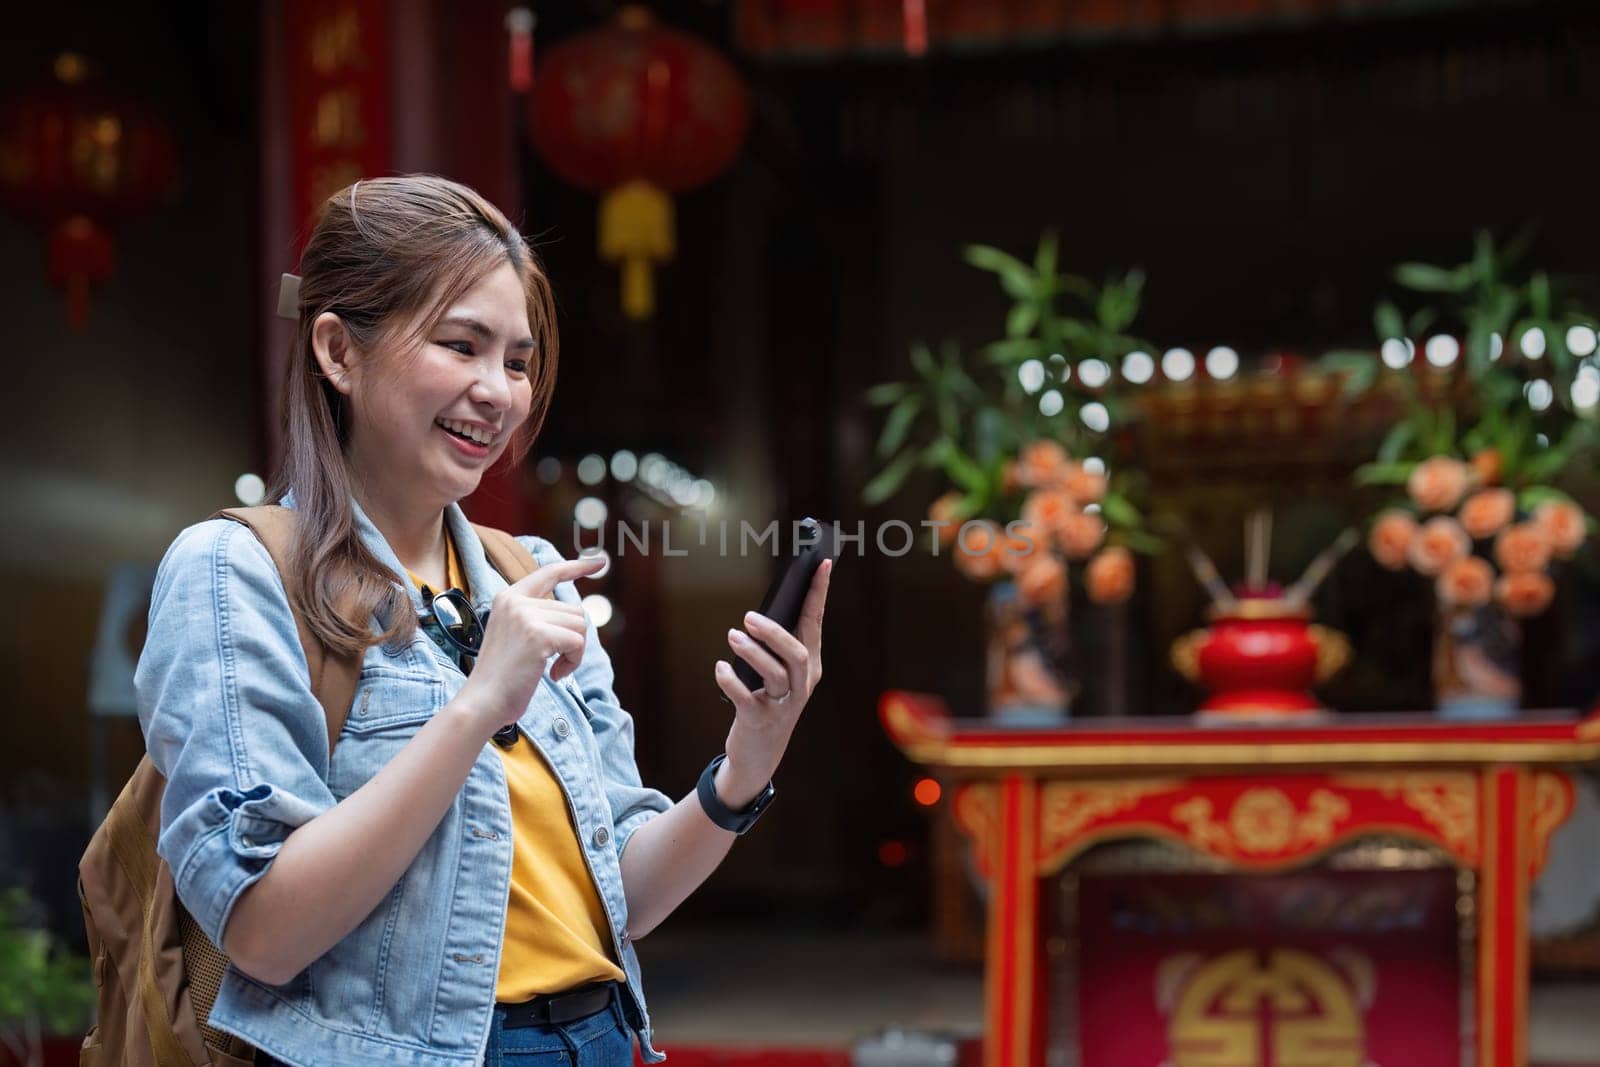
[[462, 878]]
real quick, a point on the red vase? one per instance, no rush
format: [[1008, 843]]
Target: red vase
[[1259, 660]]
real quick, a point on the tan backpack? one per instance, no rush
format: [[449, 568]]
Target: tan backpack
[[156, 972]]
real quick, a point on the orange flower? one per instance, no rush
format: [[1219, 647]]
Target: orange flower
[[978, 550], [1391, 537], [1046, 510], [1466, 582], [1439, 542], [1522, 548], [1081, 533], [1019, 550], [1086, 486], [1436, 484], [1042, 463], [1109, 576], [1486, 512], [944, 510], [1525, 592], [1010, 477], [1563, 525], [1486, 466], [1041, 579]]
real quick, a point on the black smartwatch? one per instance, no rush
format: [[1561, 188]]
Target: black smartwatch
[[720, 813]]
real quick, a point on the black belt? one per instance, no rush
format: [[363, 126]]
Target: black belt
[[565, 1007]]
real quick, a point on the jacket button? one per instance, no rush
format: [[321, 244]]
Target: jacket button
[[602, 836], [563, 728]]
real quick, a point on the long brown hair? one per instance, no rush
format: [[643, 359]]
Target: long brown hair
[[388, 256]]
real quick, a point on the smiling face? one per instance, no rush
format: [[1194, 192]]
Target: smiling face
[[427, 424]]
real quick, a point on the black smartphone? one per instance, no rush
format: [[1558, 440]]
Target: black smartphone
[[814, 542]]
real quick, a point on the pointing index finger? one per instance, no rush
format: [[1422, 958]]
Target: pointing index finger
[[542, 581]]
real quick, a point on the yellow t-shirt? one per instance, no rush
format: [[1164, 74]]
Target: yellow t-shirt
[[557, 935]]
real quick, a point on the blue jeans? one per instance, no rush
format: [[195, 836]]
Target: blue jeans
[[603, 1039]]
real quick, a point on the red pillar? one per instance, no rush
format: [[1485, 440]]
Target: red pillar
[[1013, 1023], [1502, 1009]]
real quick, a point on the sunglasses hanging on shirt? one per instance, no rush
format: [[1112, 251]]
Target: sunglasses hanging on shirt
[[463, 627]]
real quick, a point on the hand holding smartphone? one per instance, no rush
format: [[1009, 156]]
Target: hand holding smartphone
[[787, 595]]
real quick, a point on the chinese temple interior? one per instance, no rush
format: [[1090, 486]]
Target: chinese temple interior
[[1280, 316]]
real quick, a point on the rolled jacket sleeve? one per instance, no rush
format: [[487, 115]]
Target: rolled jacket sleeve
[[229, 717], [632, 802]]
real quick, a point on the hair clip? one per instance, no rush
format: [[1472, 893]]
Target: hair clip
[[289, 296]]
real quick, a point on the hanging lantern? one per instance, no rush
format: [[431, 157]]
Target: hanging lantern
[[637, 112], [74, 161]]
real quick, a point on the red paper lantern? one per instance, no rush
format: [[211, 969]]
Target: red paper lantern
[[75, 160], [636, 111]]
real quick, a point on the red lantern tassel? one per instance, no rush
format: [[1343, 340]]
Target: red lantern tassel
[[520, 22], [916, 17], [81, 255]]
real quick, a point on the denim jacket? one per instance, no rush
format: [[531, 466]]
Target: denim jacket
[[229, 718]]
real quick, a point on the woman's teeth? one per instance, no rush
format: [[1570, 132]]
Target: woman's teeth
[[461, 429]]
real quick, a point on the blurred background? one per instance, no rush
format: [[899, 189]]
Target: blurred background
[[1264, 164]]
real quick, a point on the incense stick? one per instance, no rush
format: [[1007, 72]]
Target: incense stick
[[1318, 569], [1206, 572]]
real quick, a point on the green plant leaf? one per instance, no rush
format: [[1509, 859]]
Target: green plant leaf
[[1388, 321], [1539, 299], [1118, 511], [1396, 440], [963, 471], [1442, 441], [886, 393], [1534, 495], [1357, 370], [1143, 543], [1429, 279], [988, 431], [1082, 288], [1022, 319], [889, 480], [1044, 260], [1383, 473], [1556, 351], [1483, 265], [1012, 351], [897, 425], [1479, 350], [1543, 465], [1015, 277], [922, 360]]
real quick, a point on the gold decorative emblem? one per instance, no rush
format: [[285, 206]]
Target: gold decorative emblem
[[1552, 804], [1070, 808], [1447, 801], [1263, 821], [1280, 1007], [976, 808]]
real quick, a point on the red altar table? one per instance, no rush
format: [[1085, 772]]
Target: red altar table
[[1260, 799]]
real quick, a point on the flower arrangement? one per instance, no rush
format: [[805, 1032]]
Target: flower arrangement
[[1491, 421], [1441, 546], [1024, 438]]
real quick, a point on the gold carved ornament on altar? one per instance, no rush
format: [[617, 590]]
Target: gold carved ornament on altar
[[1267, 824], [1280, 1006], [1263, 821]]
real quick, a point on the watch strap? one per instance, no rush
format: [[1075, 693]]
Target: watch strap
[[720, 813]]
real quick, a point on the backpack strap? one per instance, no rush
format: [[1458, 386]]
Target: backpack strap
[[333, 678], [505, 554]]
